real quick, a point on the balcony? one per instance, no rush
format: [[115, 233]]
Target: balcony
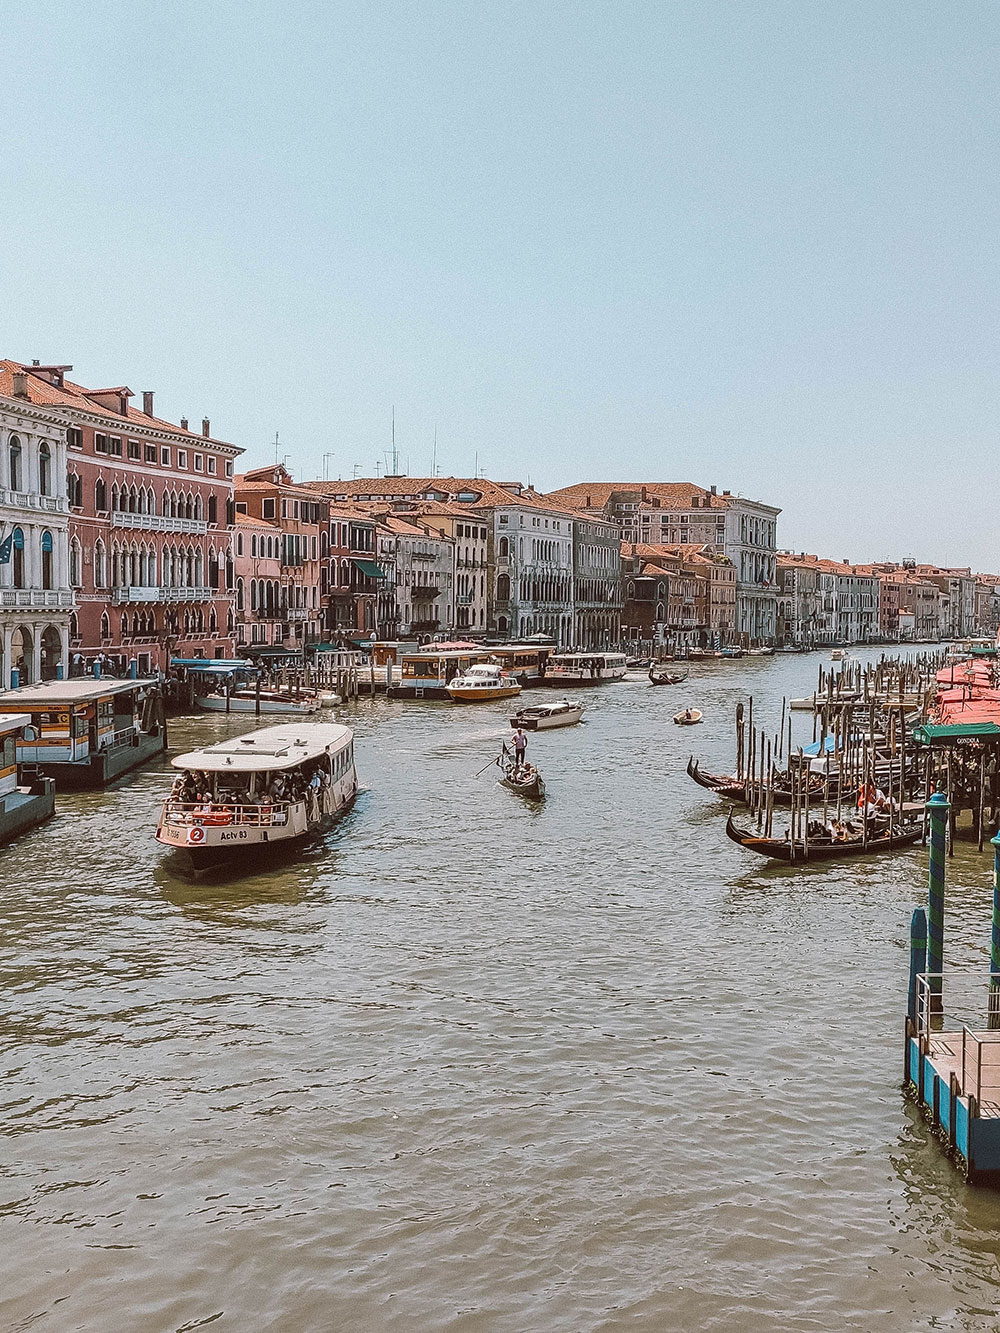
[[35, 597], [157, 522], [424, 625], [464, 599], [424, 592], [139, 593], [47, 504], [423, 557], [295, 613]]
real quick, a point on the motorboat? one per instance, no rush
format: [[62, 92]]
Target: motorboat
[[760, 652], [543, 717], [267, 701], [278, 785], [688, 717], [481, 682]]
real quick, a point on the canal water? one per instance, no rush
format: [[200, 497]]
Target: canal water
[[475, 1065]]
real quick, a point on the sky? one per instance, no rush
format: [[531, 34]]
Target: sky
[[745, 244]]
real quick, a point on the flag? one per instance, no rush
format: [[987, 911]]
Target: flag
[[5, 549]]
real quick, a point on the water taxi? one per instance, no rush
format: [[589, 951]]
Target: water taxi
[[280, 784], [87, 732], [542, 717], [262, 701], [483, 681], [585, 668]]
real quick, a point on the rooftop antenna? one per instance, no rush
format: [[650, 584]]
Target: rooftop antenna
[[326, 469], [275, 448], [378, 467], [357, 471], [395, 456], [434, 455]]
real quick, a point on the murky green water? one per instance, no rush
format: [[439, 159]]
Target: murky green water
[[473, 1065]]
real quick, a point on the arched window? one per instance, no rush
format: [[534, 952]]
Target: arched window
[[100, 567], [100, 495], [124, 625], [45, 469], [503, 553], [165, 502], [18, 545], [503, 587], [75, 564], [47, 559], [14, 457], [239, 594], [213, 509], [105, 625]]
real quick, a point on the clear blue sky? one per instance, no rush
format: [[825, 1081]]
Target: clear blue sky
[[753, 244]]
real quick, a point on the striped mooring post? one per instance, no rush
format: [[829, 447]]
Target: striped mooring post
[[938, 809], [994, 1001], [918, 958]]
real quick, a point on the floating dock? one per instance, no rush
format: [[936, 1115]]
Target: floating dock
[[85, 733], [952, 1034]]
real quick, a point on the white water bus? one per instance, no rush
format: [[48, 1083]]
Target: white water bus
[[584, 668], [280, 784]]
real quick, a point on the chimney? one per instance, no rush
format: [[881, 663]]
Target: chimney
[[36, 362], [147, 402], [184, 423], [713, 490], [206, 427], [20, 384]]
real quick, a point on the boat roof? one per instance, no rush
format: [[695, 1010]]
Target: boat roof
[[210, 663], [427, 653], [564, 657], [57, 693], [270, 748], [13, 722]]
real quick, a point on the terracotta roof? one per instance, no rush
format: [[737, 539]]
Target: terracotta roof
[[72, 395], [489, 494], [676, 494]]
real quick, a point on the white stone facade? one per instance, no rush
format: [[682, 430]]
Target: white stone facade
[[36, 597]]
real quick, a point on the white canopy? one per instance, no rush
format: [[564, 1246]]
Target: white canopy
[[269, 749]]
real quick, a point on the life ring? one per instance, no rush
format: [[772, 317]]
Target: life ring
[[221, 816]]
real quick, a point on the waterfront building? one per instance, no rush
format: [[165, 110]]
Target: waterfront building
[[597, 583], [150, 522], [423, 563], [360, 596], [300, 516], [824, 602], [530, 575], [260, 619], [672, 513], [468, 533], [36, 597]]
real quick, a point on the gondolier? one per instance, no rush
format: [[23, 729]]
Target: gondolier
[[520, 747]]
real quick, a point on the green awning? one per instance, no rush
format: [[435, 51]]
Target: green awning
[[369, 567], [928, 734]]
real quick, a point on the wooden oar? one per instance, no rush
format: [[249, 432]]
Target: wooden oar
[[489, 765]]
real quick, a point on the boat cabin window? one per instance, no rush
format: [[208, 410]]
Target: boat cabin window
[[9, 750]]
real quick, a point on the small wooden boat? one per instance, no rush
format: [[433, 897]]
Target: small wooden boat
[[666, 677], [542, 717], [688, 717], [524, 779], [730, 788], [726, 786], [823, 849]]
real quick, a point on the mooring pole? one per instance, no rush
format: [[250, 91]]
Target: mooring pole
[[994, 1002], [918, 958], [939, 809]]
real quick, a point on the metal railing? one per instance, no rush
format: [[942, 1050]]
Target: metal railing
[[273, 814], [137, 592], [967, 1007]]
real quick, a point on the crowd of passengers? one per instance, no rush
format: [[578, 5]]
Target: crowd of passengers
[[193, 788]]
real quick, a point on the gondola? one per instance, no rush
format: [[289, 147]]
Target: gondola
[[525, 781], [729, 788], [666, 677], [819, 849], [688, 717]]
